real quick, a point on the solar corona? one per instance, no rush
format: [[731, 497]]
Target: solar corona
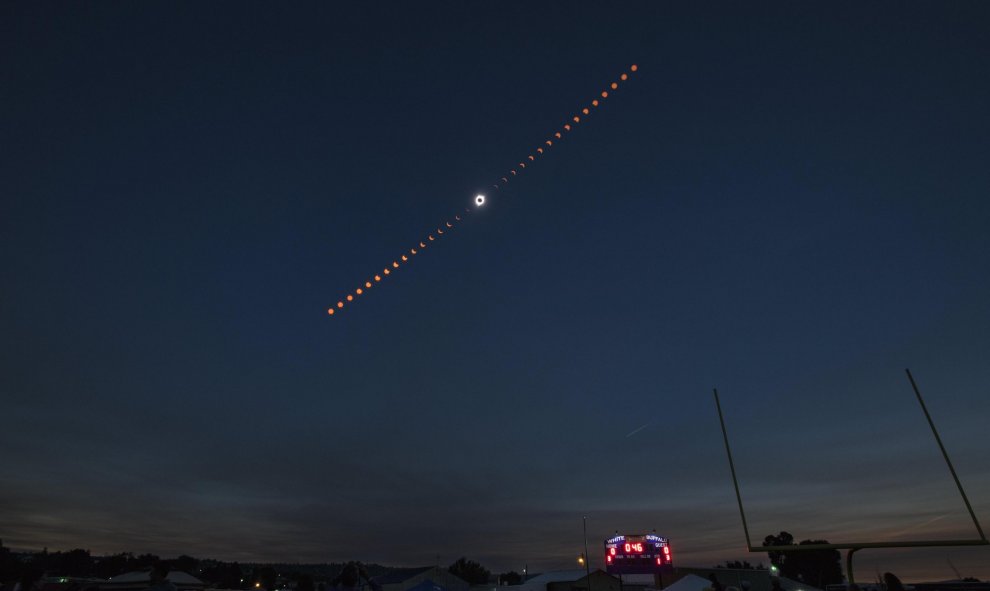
[[583, 113]]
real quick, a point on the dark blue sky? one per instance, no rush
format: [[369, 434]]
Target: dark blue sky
[[787, 201]]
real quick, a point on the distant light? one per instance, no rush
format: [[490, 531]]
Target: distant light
[[257, 585], [479, 200]]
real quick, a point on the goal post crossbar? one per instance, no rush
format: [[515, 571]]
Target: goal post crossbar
[[854, 546]]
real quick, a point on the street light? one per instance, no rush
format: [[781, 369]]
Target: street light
[[581, 559]]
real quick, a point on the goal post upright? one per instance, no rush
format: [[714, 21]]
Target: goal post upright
[[852, 547]]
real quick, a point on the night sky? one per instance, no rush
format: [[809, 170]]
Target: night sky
[[788, 202]]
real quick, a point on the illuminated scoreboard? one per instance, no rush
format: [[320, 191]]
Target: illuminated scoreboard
[[637, 555]]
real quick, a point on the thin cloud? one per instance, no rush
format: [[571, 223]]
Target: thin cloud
[[638, 429]]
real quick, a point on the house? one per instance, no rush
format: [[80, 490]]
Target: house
[[599, 581], [423, 578], [570, 580], [740, 578], [141, 580]]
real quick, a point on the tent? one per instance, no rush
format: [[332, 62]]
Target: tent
[[428, 585], [689, 583]]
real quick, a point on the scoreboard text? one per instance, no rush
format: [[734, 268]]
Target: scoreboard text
[[637, 554]]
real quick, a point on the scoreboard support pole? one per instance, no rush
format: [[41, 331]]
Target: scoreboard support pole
[[587, 557]]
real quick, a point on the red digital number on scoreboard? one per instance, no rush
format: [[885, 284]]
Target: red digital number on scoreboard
[[634, 548]]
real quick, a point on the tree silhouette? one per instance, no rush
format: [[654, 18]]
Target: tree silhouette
[[111, 566], [470, 571], [814, 567], [782, 539], [142, 561], [265, 575], [186, 564], [745, 564], [305, 583], [10, 567]]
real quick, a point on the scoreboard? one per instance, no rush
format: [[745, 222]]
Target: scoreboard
[[638, 555]]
